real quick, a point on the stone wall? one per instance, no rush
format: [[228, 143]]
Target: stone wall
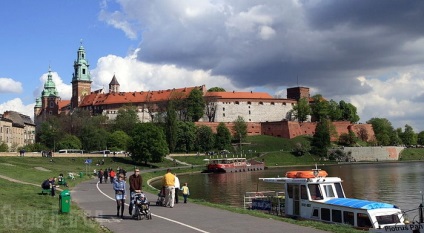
[[379, 153], [252, 127]]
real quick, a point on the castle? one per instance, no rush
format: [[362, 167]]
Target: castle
[[263, 113]]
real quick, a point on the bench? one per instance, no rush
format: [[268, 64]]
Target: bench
[[46, 191]]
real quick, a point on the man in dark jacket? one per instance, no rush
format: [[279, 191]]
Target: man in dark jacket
[[49, 184], [136, 182]]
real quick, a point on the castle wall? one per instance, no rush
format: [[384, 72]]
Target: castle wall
[[252, 127], [380, 153]]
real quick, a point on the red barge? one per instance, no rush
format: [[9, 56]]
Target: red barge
[[228, 165]]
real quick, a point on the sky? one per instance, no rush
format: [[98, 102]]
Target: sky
[[368, 53]]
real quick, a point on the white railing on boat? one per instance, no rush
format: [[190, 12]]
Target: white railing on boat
[[271, 201]]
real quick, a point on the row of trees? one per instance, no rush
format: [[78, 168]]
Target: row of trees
[[322, 109], [147, 142]]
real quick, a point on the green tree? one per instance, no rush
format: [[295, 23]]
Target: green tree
[[4, 147], [126, 119], [408, 136], [195, 105], [420, 138], [240, 129], [148, 143], [348, 112], [69, 142], [301, 110], [216, 89], [334, 111], [319, 107], [223, 137], [383, 130], [321, 139], [348, 139], [205, 139], [118, 141], [50, 132], [171, 127], [186, 136], [94, 138]]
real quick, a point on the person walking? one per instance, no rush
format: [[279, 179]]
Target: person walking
[[106, 175], [168, 181], [119, 187], [100, 175], [136, 182], [186, 192], [177, 187]]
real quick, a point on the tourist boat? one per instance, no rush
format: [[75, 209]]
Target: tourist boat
[[222, 165], [315, 196]]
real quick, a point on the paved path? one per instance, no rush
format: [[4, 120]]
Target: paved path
[[97, 200]]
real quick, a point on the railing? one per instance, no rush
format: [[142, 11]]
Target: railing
[[272, 202]]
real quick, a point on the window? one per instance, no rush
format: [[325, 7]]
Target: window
[[315, 192], [223, 109], [329, 190], [261, 103], [249, 103], [284, 103], [223, 114], [363, 220], [325, 214], [303, 192], [387, 219], [290, 190], [272, 103], [83, 71], [336, 215], [339, 190], [236, 102], [249, 112], [315, 213], [348, 218]]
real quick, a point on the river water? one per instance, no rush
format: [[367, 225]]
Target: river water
[[397, 183]]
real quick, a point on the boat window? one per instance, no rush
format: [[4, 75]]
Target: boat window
[[325, 214], [348, 218], [336, 215], [315, 212], [303, 193], [290, 190], [339, 190], [388, 219], [329, 190], [363, 220], [315, 192]]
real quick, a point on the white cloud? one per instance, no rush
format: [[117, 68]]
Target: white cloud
[[65, 90], [394, 98], [134, 75], [8, 85], [18, 106]]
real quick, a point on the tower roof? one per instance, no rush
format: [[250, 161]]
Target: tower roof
[[49, 86], [114, 81]]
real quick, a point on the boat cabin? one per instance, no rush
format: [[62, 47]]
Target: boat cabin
[[313, 195]]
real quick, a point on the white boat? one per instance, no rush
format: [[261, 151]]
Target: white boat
[[315, 196]]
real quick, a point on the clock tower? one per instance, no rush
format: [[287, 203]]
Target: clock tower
[[81, 79]]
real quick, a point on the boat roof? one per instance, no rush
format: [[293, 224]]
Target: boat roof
[[360, 204]]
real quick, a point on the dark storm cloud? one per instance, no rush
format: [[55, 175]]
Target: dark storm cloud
[[321, 43]]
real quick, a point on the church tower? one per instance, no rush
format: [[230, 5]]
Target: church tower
[[81, 79], [48, 104], [114, 85]]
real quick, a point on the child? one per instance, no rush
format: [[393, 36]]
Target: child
[[186, 192]]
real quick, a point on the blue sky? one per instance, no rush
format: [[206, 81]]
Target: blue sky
[[368, 53]]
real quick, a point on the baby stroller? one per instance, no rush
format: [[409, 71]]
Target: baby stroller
[[142, 207], [161, 197]]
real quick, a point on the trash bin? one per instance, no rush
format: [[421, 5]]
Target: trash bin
[[64, 201], [81, 174]]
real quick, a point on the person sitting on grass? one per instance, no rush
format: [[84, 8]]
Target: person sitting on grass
[[61, 180], [49, 184]]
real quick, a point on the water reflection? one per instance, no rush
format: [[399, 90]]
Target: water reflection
[[398, 183]]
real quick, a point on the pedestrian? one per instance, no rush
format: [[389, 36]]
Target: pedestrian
[[106, 175], [49, 184], [186, 192], [112, 174], [119, 187], [168, 181], [177, 187], [136, 182], [100, 175]]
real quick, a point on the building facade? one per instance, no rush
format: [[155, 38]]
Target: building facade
[[16, 130]]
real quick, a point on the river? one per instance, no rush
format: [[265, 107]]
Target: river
[[400, 183]]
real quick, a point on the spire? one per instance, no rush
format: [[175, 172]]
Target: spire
[[81, 66], [50, 86], [114, 85]]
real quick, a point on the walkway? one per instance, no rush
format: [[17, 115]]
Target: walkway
[[98, 202]]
